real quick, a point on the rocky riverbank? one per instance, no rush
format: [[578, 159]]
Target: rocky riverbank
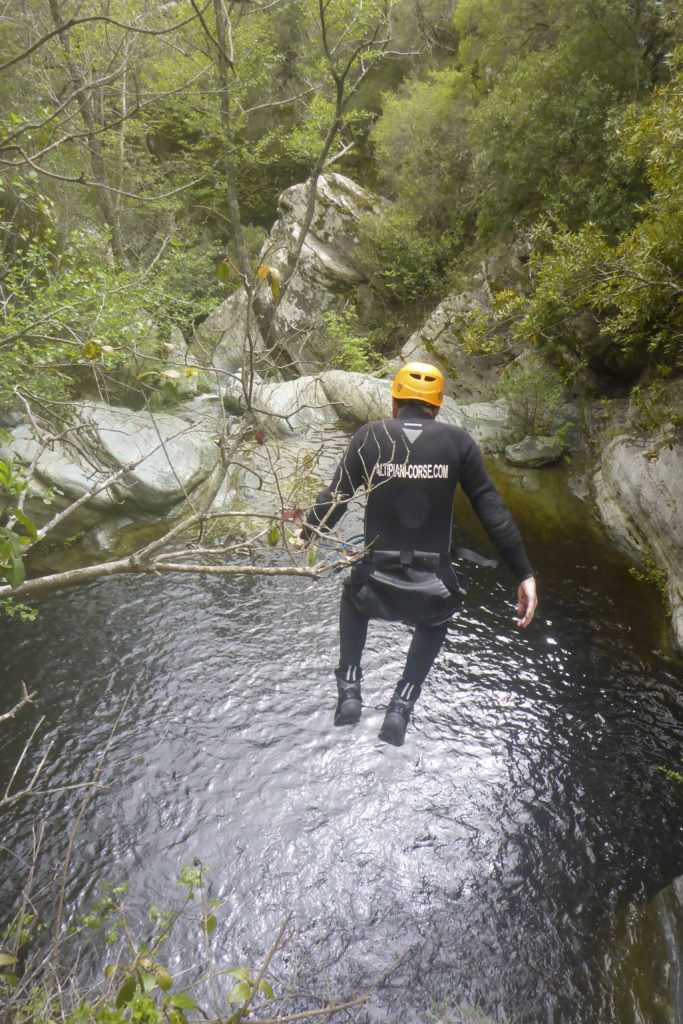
[[278, 396]]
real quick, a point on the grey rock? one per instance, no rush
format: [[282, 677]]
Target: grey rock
[[355, 397], [534, 452], [281, 407], [469, 378], [67, 466], [326, 278], [359, 398], [639, 495], [293, 406], [220, 342], [171, 456], [491, 424], [12, 418]]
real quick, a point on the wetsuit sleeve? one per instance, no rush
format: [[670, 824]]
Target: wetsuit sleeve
[[493, 513], [331, 503]]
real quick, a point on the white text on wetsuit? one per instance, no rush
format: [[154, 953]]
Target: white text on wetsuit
[[426, 471]]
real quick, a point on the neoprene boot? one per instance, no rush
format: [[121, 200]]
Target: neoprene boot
[[349, 702], [398, 713]]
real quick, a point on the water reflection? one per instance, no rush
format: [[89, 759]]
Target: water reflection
[[482, 862]]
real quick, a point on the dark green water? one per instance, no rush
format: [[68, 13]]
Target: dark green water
[[492, 861]]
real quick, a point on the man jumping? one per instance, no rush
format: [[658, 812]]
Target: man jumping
[[410, 466]]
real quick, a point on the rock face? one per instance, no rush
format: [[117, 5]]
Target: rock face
[[326, 278], [639, 494], [470, 378]]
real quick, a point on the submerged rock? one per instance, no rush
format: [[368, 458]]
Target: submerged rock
[[534, 452]]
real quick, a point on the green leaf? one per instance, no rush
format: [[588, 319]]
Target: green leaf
[[240, 993], [181, 1001], [274, 535], [241, 973], [147, 981], [110, 969], [26, 522], [209, 924], [164, 979], [312, 557], [126, 992], [223, 272], [6, 960], [267, 989], [14, 572], [9, 979]]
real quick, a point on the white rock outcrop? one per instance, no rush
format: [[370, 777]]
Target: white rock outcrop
[[326, 278]]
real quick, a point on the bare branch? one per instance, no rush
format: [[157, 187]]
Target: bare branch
[[75, 22], [89, 183], [27, 698]]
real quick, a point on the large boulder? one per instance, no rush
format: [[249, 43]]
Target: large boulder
[[326, 278], [164, 458], [639, 495], [281, 407], [220, 342], [170, 457], [359, 398]]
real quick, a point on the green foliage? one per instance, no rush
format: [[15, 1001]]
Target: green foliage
[[650, 572], [14, 537], [632, 284], [353, 351], [17, 610], [538, 155], [534, 391], [137, 987], [424, 150], [404, 263]]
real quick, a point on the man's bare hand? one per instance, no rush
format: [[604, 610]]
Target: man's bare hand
[[527, 602], [297, 541]]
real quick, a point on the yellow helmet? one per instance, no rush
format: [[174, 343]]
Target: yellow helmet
[[421, 382]]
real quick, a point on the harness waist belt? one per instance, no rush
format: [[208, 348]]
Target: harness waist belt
[[419, 559]]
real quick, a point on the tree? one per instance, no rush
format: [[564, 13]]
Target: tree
[[633, 283], [238, 43]]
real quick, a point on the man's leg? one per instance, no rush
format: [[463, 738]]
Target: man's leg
[[424, 647], [353, 632]]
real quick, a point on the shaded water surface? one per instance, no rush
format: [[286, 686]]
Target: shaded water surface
[[488, 862]]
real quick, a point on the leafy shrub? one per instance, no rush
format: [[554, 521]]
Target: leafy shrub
[[404, 263], [354, 351]]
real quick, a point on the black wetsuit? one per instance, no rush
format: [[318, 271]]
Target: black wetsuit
[[410, 467]]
